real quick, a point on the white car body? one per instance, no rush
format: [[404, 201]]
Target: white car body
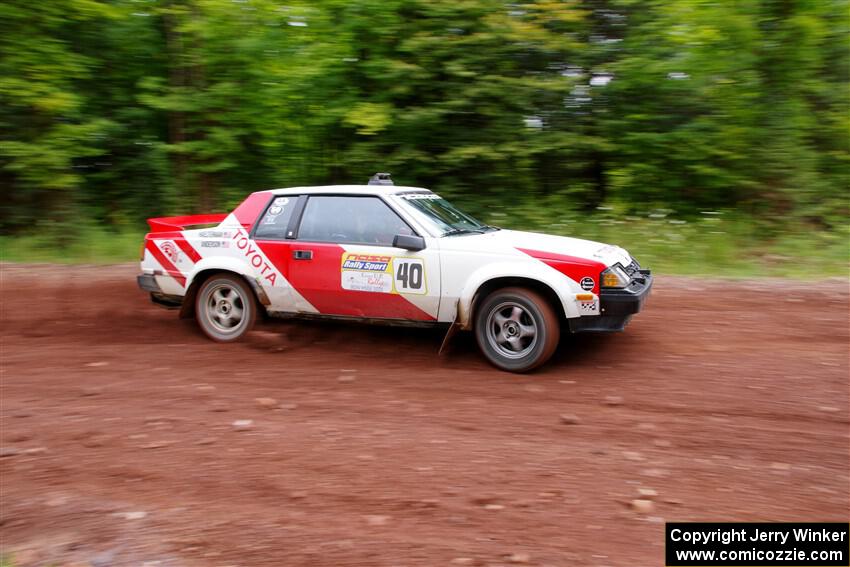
[[369, 280]]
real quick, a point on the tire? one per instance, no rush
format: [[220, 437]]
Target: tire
[[225, 308], [516, 329]]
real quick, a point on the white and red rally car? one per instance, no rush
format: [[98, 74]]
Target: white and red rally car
[[382, 253]]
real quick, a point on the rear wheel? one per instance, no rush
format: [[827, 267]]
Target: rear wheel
[[225, 308], [516, 329]]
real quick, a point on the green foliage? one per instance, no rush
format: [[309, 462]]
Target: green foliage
[[43, 126], [112, 111], [88, 244]]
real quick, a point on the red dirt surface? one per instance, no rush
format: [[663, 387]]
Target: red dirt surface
[[723, 401]]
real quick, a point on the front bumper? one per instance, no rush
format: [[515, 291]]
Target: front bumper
[[616, 306]]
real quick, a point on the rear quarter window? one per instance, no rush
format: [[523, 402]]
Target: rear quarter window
[[275, 221]]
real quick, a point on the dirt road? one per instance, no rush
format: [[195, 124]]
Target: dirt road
[[359, 446]]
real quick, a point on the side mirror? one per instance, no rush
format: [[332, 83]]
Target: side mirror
[[409, 242]]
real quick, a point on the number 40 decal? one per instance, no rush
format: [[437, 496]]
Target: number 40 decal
[[409, 275]]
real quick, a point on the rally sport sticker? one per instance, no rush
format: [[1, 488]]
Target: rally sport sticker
[[383, 274]]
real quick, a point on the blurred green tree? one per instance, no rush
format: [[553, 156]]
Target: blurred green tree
[[115, 110], [43, 124]]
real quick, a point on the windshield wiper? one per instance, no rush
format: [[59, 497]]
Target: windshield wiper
[[455, 231]]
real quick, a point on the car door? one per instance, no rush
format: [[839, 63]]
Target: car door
[[343, 261], [274, 235]]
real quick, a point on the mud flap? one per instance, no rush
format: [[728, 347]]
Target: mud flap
[[453, 329]]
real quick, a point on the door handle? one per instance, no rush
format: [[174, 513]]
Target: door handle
[[302, 254]]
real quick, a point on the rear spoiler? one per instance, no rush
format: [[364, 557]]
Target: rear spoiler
[[169, 224]]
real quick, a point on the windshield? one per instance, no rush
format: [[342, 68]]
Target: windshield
[[443, 215]]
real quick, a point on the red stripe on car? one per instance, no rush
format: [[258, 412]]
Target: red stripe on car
[[169, 268], [573, 267], [248, 211], [188, 249]]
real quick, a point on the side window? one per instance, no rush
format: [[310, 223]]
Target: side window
[[275, 221], [354, 220]]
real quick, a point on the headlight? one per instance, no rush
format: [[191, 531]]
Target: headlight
[[615, 276]]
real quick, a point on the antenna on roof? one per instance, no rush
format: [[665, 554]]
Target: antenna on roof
[[380, 179]]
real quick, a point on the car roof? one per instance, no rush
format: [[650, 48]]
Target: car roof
[[349, 190]]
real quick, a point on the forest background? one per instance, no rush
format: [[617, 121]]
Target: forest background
[[705, 137]]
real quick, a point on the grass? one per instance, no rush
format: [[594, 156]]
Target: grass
[[87, 246], [714, 244]]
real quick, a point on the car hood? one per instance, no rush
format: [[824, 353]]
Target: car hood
[[541, 244]]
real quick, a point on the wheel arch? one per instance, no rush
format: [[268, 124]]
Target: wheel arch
[[187, 309], [490, 285]]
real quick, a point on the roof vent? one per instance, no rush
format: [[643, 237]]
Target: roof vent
[[381, 179]]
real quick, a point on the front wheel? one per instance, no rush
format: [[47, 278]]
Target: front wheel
[[225, 308], [516, 329]]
